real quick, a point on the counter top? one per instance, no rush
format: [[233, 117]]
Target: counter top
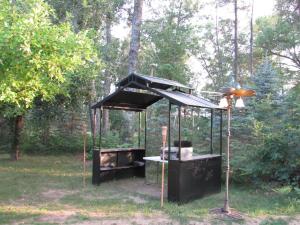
[[105, 150]]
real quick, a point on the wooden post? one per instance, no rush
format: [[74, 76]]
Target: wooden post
[[164, 139], [226, 208], [84, 152]]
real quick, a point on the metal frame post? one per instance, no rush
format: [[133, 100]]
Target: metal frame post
[[179, 132], [100, 128], [145, 145], [94, 129], [169, 133], [221, 132], [139, 140], [211, 130]]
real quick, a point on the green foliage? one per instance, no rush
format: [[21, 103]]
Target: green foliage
[[57, 143], [111, 140], [272, 153], [38, 58], [169, 40], [280, 36], [267, 82]]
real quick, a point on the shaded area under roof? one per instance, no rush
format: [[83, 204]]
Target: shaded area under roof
[[184, 99], [152, 82], [128, 100]]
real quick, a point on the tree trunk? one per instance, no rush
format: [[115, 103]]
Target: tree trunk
[[135, 35], [235, 62], [107, 74], [18, 126], [218, 45], [251, 40]]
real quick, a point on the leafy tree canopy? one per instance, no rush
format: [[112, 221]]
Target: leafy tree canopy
[[38, 58]]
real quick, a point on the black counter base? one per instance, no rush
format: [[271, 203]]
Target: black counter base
[[193, 179]]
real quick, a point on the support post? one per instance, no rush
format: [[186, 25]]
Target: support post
[[221, 132], [139, 140], [94, 129], [169, 133], [96, 155], [211, 130], [179, 132], [145, 145], [100, 128]]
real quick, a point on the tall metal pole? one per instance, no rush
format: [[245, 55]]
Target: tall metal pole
[[226, 202]]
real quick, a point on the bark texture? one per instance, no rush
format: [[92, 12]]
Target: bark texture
[[235, 62], [251, 40], [18, 126], [107, 74], [135, 36]]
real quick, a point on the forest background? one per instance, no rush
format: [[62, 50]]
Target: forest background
[[59, 57]]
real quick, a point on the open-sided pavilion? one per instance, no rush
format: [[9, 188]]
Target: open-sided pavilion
[[189, 177]]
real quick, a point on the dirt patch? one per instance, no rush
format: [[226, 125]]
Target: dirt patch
[[56, 194], [60, 217], [138, 219], [137, 199], [139, 186]]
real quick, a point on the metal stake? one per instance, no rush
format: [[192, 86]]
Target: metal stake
[[226, 201]]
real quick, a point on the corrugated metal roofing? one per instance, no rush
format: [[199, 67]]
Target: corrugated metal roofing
[[128, 100], [153, 82], [184, 99], [138, 101]]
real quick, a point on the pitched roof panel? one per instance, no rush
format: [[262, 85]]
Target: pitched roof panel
[[152, 82]]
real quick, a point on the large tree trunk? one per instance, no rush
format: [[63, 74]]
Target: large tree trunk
[[135, 35], [251, 40], [218, 44], [235, 62], [107, 74], [18, 126]]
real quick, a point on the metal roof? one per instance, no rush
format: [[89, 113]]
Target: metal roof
[[149, 81], [127, 100], [138, 101], [184, 99]]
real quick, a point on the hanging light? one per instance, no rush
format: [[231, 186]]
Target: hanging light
[[239, 103], [223, 103]]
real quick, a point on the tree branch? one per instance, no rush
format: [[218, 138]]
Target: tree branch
[[295, 61]]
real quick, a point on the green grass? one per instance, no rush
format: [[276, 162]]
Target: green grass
[[40, 187]]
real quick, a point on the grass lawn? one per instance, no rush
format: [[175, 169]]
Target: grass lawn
[[49, 190]]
